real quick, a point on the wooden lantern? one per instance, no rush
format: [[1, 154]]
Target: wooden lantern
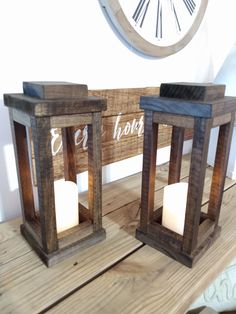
[[43, 106], [199, 107]]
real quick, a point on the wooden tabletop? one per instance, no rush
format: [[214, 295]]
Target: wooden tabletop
[[120, 274]]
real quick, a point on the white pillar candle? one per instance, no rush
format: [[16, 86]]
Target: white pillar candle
[[174, 206], [66, 204]]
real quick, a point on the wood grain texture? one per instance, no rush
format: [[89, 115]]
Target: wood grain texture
[[122, 127], [179, 100], [69, 157], [190, 108], [176, 153], [193, 91], [198, 164], [29, 287], [123, 100], [19, 135], [150, 282], [95, 171], [45, 182], [122, 137], [129, 188], [54, 90], [118, 17], [149, 170], [44, 108], [220, 167], [173, 119], [63, 121], [20, 117]]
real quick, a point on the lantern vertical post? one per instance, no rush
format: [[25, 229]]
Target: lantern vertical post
[[198, 107], [42, 107]]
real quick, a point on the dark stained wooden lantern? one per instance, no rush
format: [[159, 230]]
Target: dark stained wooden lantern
[[43, 106], [199, 107]]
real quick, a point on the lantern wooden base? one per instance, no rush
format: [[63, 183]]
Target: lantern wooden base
[[170, 243], [64, 252], [70, 241], [81, 238]]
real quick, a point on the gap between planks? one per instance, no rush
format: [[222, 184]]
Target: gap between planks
[[29, 286], [150, 282]]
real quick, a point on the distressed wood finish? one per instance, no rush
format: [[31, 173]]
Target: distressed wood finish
[[94, 171], [123, 100], [45, 181], [119, 141], [149, 170], [202, 92], [206, 106], [69, 120], [122, 129], [69, 157], [118, 272], [73, 107], [150, 282], [220, 167], [53, 107], [173, 119], [176, 153], [192, 100], [55, 90], [196, 181], [23, 168]]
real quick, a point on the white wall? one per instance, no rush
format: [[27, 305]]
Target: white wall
[[71, 40], [226, 75]]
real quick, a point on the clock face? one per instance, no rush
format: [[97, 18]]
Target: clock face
[[156, 27]]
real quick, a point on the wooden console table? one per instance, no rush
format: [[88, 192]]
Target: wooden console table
[[120, 274]]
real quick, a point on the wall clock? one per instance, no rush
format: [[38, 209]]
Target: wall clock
[[156, 27]]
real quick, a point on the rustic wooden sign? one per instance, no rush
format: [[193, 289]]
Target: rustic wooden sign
[[122, 129]]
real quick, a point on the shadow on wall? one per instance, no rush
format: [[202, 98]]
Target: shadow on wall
[[9, 192]]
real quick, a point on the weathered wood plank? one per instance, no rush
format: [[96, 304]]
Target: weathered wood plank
[[149, 170], [177, 142], [122, 137], [45, 179], [26, 284], [194, 91], [202, 128], [27, 276], [129, 188], [220, 167], [51, 107], [191, 107], [95, 171], [69, 158], [173, 119], [54, 90], [19, 134], [150, 282], [70, 120], [123, 100]]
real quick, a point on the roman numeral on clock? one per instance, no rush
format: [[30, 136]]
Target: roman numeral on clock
[[159, 20], [173, 10], [190, 5], [175, 16], [140, 12]]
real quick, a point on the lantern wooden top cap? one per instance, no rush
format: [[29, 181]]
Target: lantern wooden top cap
[[54, 98], [190, 99]]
